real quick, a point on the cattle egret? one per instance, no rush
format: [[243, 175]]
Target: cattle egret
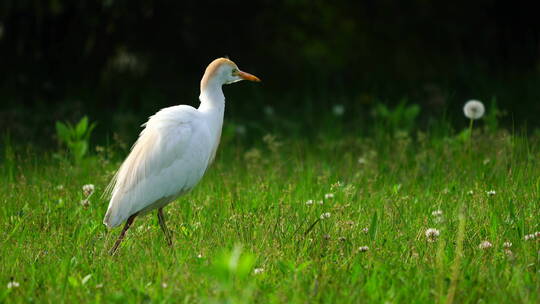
[[172, 153]]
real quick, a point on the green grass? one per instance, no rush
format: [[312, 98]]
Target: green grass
[[250, 212]]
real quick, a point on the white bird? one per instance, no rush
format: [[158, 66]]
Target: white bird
[[172, 153]]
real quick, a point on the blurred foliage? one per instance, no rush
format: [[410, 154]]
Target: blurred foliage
[[76, 138], [123, 58]]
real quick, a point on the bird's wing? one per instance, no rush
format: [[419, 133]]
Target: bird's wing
[[158, 166]]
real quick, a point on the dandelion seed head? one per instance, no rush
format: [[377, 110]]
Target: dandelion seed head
[[485, 245], [363, 248], [432, 234], [474, 109], [325, 215], [437, 212], [88, 189]]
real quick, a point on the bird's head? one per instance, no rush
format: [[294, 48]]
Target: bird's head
[[223, 71]]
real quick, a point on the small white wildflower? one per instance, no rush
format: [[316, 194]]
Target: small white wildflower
[[60, 187], [474, 109], [338, 110], [470, 192], [507, 244], [365, 230], [309, 202], [258, 270], [486, 161], [362, 161], [12, 284], [329, 195], [100, 285], [363, 248], [437, 212], [342, 239], [485, 245], [199, 256], [491, 192], [529, 237], [325, 215], [85, 203], [164, 285], [320, 202], [432, 234], [88, 189]]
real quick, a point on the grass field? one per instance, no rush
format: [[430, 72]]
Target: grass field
[[326, 220]]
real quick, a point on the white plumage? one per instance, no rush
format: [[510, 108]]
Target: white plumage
[[173, 151]]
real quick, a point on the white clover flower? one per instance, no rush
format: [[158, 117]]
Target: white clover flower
[[309, 202], [491, 192], [432, 234], [365, 230], [258, 270], [329, 195], [325, 215], [485, 245], [437, 212], [530, 237], [507, 244], [474, 109], [338, 110], [85, 203], [12, 284], [88, 189], [363, 248]]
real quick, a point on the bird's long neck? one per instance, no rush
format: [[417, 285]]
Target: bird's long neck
[[213, 107]]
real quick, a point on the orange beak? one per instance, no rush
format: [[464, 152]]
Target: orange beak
[[248, 76]]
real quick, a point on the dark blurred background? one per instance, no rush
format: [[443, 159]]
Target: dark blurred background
[[119, 61]]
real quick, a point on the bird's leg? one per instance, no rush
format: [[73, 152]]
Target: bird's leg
[[122, 234], [167, 232]]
